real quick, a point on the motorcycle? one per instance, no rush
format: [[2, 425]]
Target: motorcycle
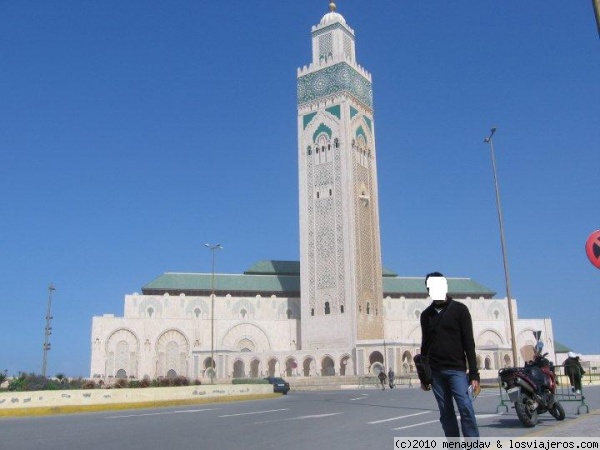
[[532, 388]]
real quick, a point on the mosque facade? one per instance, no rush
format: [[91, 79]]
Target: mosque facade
[[337, 311]]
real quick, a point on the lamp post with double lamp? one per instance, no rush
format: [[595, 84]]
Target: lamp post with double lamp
[[213, 249], [489, 140]]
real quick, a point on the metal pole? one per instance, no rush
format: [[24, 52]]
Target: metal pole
[[48, 329], [212, 248], [596, 6], [489, 140]]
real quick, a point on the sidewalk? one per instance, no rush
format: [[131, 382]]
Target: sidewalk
[[587, 424]]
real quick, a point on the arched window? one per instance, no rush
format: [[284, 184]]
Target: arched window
[[150, 312], [368, 308], [288, 313], [327, 310], [243, 313], [197, 312], [312, 311], [342, 309]]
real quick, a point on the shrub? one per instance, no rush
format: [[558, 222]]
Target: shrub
[[145, 382], [197, 382], [249, 381], [89, 384], [181, 381], [120, 383]]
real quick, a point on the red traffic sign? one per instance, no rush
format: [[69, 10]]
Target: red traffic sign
[[592, 248]]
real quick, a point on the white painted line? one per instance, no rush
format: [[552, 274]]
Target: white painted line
[[480, 416], [483, 416], [360, 398], [399, 417], [416, 425], [162, 413], [315, 416], [255, 412]]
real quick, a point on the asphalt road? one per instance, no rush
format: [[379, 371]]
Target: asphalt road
[[356, 419]]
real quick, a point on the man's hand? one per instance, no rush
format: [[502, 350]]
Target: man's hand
[[425, 387], [476, 387]]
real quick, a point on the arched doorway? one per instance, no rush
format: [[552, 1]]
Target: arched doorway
[[238, 369], [208, 367], [273, 367], [171, 374], [308, 367], [487, 363], [344, 369], [254, 368], [327, 367], [407, 362], [121, 374], [290, 366], [375, 362]]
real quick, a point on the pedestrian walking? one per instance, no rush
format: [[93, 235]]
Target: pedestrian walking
[[391, 378], [382, 377], [574, 371]]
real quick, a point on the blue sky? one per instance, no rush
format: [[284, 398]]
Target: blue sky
[[131, 133]]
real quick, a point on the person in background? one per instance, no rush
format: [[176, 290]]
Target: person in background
[[391, 377], [381, 377], [574, 371]]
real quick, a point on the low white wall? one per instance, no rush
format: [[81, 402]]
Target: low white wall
[[35, 399]]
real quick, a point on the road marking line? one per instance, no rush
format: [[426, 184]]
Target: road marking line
[[255, 412], [399, 417], [416, 425], [480, 416], [161, 413], [315, 416], [360, 398]]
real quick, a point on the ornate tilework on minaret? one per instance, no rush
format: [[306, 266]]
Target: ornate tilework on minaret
[[340, 252]]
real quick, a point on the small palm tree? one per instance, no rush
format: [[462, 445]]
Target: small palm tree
[[60, 377], [3, 378]]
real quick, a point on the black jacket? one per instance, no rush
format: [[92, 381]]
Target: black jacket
[[448, 338]]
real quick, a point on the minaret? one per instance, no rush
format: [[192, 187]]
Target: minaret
[[340, 250]]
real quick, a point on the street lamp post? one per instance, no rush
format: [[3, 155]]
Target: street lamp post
[[48, 329], [213, 249], [489, 140]]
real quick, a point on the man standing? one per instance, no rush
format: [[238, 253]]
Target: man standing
[[447, 332], [391, 376]]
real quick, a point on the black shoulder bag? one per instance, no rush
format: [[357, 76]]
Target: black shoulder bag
[[422, 361]]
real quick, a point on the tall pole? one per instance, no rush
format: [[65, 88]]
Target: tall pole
[[489, 140], [48, 329], [213, 249], [596, 7]]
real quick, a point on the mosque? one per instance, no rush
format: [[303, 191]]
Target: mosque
[[337, 311]]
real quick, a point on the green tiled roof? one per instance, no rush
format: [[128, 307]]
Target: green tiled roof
[[283, 278], [456, 287], [561, 348], [198, 283], [275, 267]]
